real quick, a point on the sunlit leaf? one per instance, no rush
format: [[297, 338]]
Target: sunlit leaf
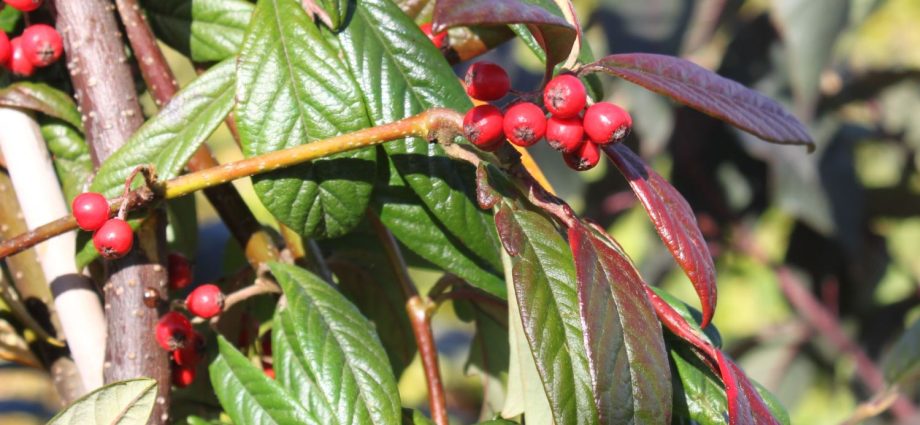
[[42, 98], [121, 403], [70, 155], [203, 30]]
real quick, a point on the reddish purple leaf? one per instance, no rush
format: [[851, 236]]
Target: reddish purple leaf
[[706, 91], [542, 17], [674, 221], [627, 358]]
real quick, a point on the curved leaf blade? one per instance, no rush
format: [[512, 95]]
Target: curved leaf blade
[[250, 397], [203, 30], [338, 349], [675, 222], [701, 89], [623, 339], [401, 74], [293, 89], [42, 98], [902, 363], [171, 137], [543, 273], [123, 403], [70, 155]]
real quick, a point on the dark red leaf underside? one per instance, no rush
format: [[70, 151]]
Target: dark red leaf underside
[[708, 92], [627, 358], [554, 33], [674, 221]]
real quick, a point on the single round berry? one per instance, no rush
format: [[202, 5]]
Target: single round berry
[[487, 81], [90, 209], [565, 134], [585, 158], [269, 371], [19, 63], [205, 301], [24, 5], [607, 123], [436, 39], [525, 124], [42, 44], [183, 376], [564, 96], [179, 270], [173, 331], [482, 126], [114, 239], [190, 355], [6, 50]]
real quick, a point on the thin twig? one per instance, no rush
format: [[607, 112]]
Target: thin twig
[[259, 287], [419, 310], [394, 255]]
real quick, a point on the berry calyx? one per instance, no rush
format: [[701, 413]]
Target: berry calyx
[[565, 134], [436, 39], [190, 355], [179, 270], [205, 301], [487, 81], [482, 126], [525, 124], [607, 123], [585, 158], [173, 331], [5, 49], [24, 5], [564, 96], [90, 209], [42, 44], [114, 239], [19, 63], [183, 376]]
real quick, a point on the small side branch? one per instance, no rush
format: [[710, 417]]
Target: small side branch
[[420, 310]]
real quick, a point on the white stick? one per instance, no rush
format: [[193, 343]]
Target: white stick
[[42, 201]]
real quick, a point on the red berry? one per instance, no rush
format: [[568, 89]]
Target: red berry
[[436, 39], [114, 239], [90, 209], [173, 331], [190, 355], [180, 271], [206, 301], [564, 96], [183, 376], [19, 63], [269, 371], [607, 123], [487, 81], [24, 5], [525, 124], [585, 158], [5, 49], [42, 44], [482, 126], [565, 134]]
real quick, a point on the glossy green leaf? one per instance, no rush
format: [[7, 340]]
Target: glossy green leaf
[[293, 89], [902, 363], [250, 397], [337, 350], [42, 98], [9, 17], [70, 155], [171, 137], [123, 403], [489, 351], [203, 30], [401, 74], [545, 287], [623, 339], [337, 11]]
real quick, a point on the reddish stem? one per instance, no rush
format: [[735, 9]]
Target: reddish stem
[[419, 310]]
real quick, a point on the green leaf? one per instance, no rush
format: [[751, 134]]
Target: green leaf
[[401, 74], [171, 137], [9, 18], [902, 363], [545, 288], [250, 397], [203, 30], [337, 11], [693, 317], [293, 89], [42, 98], [490, 352], [625, 346], [70, 155], [414, 417], [182, 225], [123, 403], [337, 350]]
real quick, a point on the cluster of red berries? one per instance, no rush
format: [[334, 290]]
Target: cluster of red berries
[[38, 46], [576, 131], [113, 237]]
